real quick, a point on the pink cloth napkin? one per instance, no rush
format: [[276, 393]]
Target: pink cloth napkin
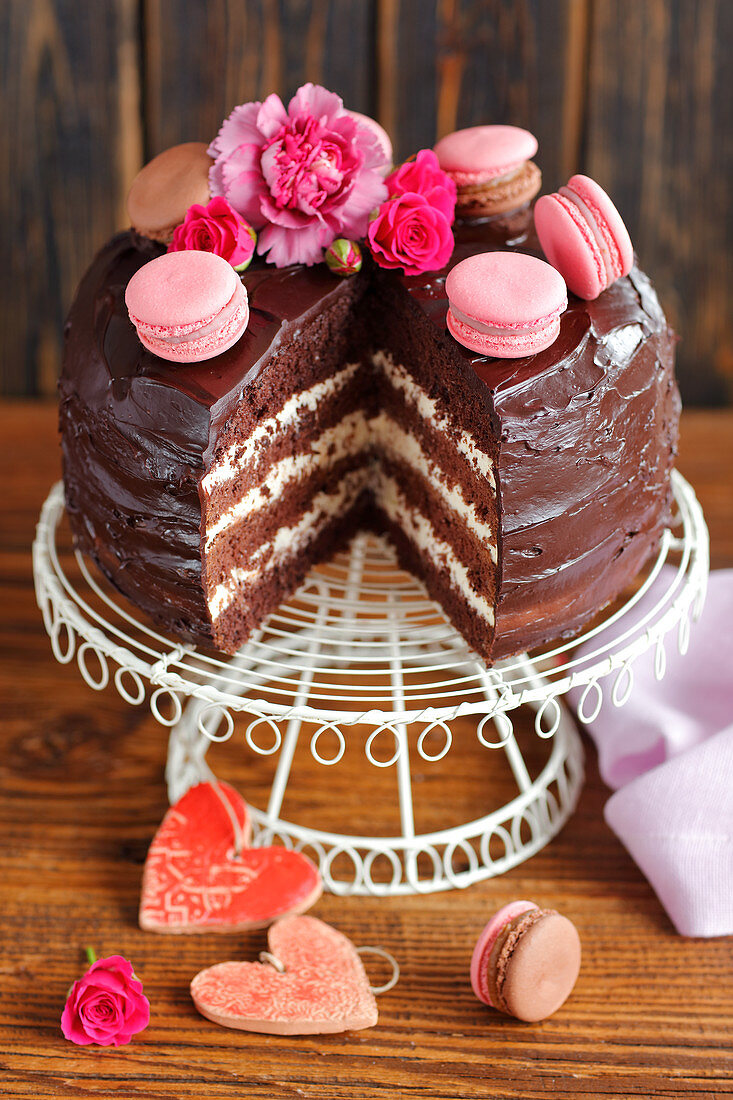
[[669, 753]]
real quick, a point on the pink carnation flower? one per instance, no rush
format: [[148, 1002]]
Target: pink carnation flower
[[107, 1006], [304, 176], [410, 233], [217, 228], [424, 176]]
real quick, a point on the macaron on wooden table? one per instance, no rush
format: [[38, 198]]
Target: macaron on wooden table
[[651, 1014]]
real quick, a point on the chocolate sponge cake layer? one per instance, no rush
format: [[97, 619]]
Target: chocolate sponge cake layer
[[284, 440], [252, 603], [525, 493]]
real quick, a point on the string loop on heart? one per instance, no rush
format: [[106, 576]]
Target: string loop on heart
[[236, 826], [267, 957], [377, 989]]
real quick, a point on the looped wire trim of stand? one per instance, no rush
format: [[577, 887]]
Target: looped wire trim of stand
[[361, 644], [330, 638]]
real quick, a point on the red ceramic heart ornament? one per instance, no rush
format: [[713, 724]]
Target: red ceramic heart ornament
[[194, 880], [323, 986]]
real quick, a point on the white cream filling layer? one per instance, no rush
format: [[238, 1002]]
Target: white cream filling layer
[[237, 457], [352, 436], [348, 437], [421, 532], [427, 407], [403, 446], [290, 541]]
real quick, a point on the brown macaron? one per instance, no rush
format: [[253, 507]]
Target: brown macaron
[[163, 190], [492, 168], [526, 961], [501, 195]]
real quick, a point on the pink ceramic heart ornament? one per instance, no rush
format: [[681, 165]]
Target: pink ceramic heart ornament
[[195, 880], [322, 988]]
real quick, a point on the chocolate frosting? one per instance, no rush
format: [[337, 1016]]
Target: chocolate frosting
[[586, 433], [588, 436], [138, 433]]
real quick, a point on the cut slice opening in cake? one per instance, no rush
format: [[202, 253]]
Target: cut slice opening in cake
[[370, 442]]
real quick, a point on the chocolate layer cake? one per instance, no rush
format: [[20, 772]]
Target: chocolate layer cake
[[526, 493]]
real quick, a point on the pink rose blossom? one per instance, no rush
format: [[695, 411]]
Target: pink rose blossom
[[424, 176], [217, 228], [304, 176], [107, 1006], [410, 233]]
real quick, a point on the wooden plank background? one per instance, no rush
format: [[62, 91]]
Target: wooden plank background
[[638, 94]]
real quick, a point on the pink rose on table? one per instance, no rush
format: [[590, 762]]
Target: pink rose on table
[[408, 232], [424, 176], [107, 1006], [217, 228], [302, 177]]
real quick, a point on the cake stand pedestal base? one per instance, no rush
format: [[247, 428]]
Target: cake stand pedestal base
[[411, 862]]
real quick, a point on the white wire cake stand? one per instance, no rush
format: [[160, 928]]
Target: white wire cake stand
[[361, 658]]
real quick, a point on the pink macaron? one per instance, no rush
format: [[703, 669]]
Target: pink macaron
[[483, 153], [187, 306], [526, 961], [583, 236], [505, 304]]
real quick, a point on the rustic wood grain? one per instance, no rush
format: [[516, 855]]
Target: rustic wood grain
[[637, 94], [82, 793], [202, 59], [660, 139], [456, 63], [70, 137]]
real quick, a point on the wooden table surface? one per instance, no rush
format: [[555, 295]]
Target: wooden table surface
[[82, 785]]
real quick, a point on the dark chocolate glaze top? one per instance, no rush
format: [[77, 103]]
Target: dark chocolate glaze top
[[587, 432]]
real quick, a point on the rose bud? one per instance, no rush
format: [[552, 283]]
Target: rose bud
[[343, 257]]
